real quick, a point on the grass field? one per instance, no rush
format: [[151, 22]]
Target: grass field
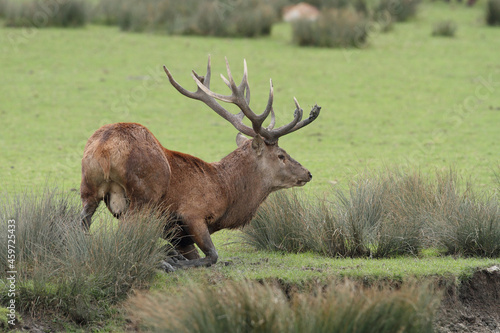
[[407, 98]]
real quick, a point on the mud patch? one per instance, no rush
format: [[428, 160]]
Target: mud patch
[[473, 306]]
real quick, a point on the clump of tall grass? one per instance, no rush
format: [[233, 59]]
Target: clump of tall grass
[[234, 307], [39, 14], [392, 213], [348, 308], [61, 268], [375, 217], [399, 10], [3, 6], [233, 19], [167, 16], [281, 224], [209, 18], [493, 12], [469, 225], [333, 28], [445, 29], [252, 307], [255, 18], [382, 20]]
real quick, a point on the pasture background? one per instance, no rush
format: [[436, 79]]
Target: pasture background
[[406, 98]]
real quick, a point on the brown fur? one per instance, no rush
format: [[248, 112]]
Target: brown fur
[[127, 167]]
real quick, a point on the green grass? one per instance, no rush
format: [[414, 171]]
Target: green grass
[[239, 261], [400, 100]]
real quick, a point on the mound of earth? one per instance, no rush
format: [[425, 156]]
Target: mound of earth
[[472, 306]]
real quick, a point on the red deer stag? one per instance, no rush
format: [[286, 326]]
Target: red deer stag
[[127, 167]]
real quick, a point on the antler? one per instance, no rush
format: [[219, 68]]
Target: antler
[[241, 97]]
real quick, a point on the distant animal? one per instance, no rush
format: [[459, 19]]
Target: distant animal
[[124, 165], [300, 11]]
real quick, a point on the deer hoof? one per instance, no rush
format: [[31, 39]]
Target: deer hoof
[[167, 267]]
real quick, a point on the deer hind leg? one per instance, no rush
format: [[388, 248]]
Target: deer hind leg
[[89, 208], [89, 193], [90, 202]]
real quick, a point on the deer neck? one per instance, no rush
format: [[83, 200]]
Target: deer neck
[[245, 187]]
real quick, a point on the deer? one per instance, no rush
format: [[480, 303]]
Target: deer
[[125, 166]]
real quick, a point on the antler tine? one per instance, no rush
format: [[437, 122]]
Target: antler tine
[[285, 129], [240, 96], [312, 116], [230, 76], [209, 72], [297, 123], [225, 81], [273, 120], [204, 94], [177, 86], [269, 106], [207, 91], [296, 103], [244, 80], [205, 80]]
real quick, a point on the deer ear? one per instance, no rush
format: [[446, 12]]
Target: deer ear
[[258, 144], [240, 139]]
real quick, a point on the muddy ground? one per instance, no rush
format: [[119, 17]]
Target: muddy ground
[[473, 306]]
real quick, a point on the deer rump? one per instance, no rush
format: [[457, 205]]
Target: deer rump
[[125, 166], [124, 161]]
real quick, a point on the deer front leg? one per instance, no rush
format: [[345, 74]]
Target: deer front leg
[[201, 237], [189, 252]]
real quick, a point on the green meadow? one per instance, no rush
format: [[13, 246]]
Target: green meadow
[[405, 99]]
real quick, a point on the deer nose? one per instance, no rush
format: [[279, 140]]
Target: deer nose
[[310, 175]]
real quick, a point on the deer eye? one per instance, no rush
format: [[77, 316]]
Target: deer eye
[[281, 157]]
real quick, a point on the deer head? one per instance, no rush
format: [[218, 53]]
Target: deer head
[[279, 170]]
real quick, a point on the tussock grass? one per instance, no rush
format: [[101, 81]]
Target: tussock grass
[[493, 12], [253, 307], [62, 269], [233, 19], [3, 6], [445, 28], [347, 308], [395, 212], [400, 10], [471, 228], [333, 28], [209, 18], [290, 230], [152, 15], [39, 14]]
